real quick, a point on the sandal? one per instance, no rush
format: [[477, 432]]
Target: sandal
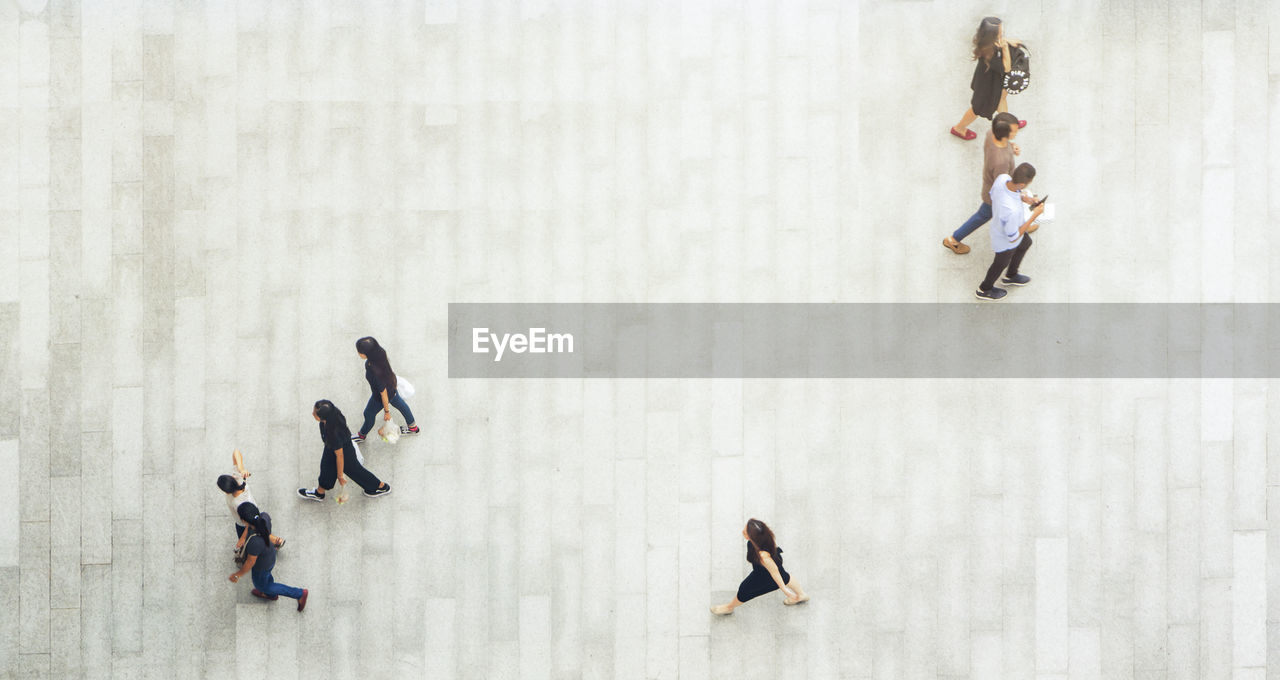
[[1022, 124], [959, 248], [967, 136]]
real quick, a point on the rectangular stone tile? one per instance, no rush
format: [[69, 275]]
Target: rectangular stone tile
[[1052, 638], [96, 620], [126, 587], [1215, 627], [1249, 600], [34, 589], [127, 452], [10, 525], [1151, 608], [64, 642], [96, 498], [64, 399]]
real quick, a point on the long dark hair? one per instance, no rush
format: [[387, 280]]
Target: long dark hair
[[335, 424], [228, 484], [249, 513], [984, 41], [369, 347], [761, 538]]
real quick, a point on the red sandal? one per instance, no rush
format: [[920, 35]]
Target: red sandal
[[1022, 124], [968, 134]]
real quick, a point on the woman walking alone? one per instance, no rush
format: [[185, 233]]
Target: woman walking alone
[[382, 385], [767, 574], [261, 559], [991, 51], [236, 487], [338, 461]]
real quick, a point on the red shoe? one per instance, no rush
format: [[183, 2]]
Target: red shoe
[[302, 601], [968, 134], [259, 593], [1022, 124]]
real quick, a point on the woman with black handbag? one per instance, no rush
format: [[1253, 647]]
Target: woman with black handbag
[[993, 54]]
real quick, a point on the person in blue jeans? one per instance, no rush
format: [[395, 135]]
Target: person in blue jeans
[[261, 559], [998, 151], [382, 385]]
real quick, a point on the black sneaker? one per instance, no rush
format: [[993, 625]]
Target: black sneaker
[[405, 431], [992, 295], [1016, 280], [382, 491], [311, 495], [357, 438]]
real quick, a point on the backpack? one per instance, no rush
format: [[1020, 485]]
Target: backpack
[[1019, 76]]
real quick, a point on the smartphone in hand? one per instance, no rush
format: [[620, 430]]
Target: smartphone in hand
[[1040, 202]]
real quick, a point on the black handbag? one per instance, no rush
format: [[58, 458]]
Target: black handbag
[[1019, 76]]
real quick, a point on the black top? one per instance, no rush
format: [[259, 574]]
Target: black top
[[375, 384], [339, 438], [753, 551], [262, 548]]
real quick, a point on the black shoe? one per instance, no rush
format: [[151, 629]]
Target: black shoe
[[311, 495], [357, 438], [1016, 280], [992, 295], [405, 431], [382, 491]]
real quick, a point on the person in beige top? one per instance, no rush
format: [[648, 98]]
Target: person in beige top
[[998, 152]]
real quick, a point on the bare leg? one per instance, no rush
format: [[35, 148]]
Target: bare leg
[[968, 117], [726, 609], [1004, 102], [801, 596]]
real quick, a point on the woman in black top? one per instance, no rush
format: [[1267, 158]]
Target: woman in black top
[[767, 574], [990, 50], [339, 458], [382, 384], [261, 559]]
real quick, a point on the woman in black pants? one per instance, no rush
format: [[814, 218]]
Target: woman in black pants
[[767, 574], [339, 458], [991, 51], [382, 383]]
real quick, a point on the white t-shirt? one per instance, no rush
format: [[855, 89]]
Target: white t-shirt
[[234, 501], [1006, 216]]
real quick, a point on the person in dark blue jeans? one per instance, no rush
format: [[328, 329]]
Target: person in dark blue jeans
[[261, 559], [382, 385], [998, 151]]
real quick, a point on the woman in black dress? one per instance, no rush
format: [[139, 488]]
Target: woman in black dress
[[339, 458], [767, 574], [990, 50]]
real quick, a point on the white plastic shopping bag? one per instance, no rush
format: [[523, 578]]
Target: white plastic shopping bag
[[390, 431], [359, 456], [404, 387]]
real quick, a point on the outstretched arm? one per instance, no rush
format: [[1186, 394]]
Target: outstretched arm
[[238, 460], [766, 560]]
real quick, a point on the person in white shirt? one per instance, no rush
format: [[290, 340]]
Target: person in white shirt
[[1010, 238], [236, 487]]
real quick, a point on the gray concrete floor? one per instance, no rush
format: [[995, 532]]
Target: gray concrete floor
[[204, 204]]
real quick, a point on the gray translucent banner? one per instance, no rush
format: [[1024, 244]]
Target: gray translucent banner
[[981, 340]]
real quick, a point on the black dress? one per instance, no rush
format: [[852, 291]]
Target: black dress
[[987, 85], [759, 581]]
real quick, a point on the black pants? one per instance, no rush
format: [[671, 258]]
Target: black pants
[[1010, 258], [351, 468]]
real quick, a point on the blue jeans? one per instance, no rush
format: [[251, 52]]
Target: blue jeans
[[263, 581], [374, 407], [977, 220]]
